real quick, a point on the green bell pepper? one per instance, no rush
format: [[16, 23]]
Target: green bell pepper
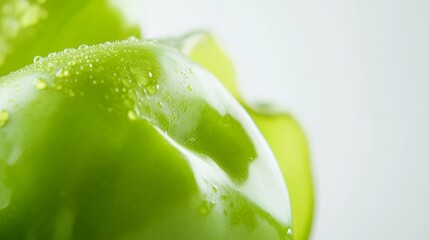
[[131, 140], [41, 27]]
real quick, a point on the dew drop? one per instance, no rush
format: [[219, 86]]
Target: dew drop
[[214, 188], [206, 207], [184, 74], [40, 84], [61, 73], [52, 54], [132, 115], [4, 118], [224, 197], [72, 63], [189, 88], [152, 89], [289, 234], [68, 50], [37, 59], [83, 46], [133, 39]]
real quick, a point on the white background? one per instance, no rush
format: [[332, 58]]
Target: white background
[[356, 75]]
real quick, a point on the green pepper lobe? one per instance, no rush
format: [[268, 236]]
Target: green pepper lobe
[[30, 28], [131, 140]]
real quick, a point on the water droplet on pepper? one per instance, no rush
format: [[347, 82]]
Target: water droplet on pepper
[[37, 59], [62, 73], [132, 115], [4, 118], [40, 84]]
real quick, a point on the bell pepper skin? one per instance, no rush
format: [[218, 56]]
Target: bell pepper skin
[[131, 140], [280, 128]]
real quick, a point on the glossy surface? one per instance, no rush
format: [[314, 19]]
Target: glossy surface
[[282, 132], [131, 140]]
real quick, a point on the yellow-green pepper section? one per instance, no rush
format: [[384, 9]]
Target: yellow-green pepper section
[[131, 140], [283, 133]]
